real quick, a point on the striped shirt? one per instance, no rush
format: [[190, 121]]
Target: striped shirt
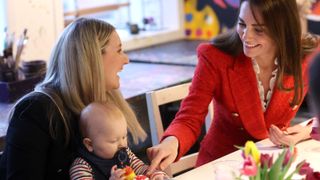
[[81, 169]]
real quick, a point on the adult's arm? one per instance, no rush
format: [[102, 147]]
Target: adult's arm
[[186, 126], [28, 140]]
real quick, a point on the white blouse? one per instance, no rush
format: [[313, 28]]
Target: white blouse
[[265, 100]]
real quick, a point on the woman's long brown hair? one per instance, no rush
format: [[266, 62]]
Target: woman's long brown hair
[[282, 19]]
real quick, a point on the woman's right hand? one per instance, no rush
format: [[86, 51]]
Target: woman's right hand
[[163, 154]]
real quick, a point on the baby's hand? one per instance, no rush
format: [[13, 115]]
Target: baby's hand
[[116, 173]]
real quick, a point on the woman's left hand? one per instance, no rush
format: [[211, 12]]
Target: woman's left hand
[[290, 136]]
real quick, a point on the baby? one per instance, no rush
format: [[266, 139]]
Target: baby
[[104, 153]]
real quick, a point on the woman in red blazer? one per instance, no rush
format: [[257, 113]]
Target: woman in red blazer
[[255, 75]]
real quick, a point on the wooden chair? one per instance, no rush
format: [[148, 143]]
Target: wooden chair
[[161, 97]]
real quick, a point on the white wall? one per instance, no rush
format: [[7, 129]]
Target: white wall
[[44, 21]]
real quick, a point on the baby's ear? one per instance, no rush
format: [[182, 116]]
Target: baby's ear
[[88, 144]]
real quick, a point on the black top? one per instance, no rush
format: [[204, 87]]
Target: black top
[[102, 167], [30, 152]]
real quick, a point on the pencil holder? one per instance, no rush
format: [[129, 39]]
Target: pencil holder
[[7, 73], [33, 68], [15, 83], [11, 91]]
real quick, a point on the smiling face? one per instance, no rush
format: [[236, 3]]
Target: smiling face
[[113, 61], [256, 42]]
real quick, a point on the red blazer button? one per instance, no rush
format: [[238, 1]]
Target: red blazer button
[[295, 107], [235, 114]]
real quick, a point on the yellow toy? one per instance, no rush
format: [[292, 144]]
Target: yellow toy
[[129, 175]]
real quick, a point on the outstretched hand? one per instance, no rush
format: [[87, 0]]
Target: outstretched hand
[[163, 154], [290, 136]]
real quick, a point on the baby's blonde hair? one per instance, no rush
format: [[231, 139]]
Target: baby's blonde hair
[[96, 113]]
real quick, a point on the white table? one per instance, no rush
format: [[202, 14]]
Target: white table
[[308, 150]]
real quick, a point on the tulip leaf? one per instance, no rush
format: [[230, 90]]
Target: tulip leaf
[[275, 170], [286, 168], [295, 171]]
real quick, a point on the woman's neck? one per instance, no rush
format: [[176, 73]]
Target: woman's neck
[[266, 64]]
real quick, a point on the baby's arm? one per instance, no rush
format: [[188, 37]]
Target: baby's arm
[[80, 170], [140, 168]]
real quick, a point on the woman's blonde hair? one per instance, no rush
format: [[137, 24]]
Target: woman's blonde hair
[[75, 75]]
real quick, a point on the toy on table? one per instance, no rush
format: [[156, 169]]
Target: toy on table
[[129, 173], [122, 156]]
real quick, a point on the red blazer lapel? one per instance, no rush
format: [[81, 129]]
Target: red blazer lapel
[[279, 111], [279, 105], [244, 89]]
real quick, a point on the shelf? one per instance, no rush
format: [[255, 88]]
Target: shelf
[[109, 7]]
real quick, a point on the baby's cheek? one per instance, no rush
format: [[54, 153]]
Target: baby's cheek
[[106, 153]]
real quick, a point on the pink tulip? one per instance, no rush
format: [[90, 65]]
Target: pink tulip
[[313, 176], [266, 160], [289, 154], [305, 168], [308, 171], [249, 167], [287, 157]]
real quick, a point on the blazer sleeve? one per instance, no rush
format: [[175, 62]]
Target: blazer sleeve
[[188, 121], [28, 140]]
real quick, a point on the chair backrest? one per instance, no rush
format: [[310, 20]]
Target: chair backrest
[[163, 96]]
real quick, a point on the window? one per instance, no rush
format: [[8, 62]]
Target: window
[[112, 11], [2, 23], [156, 20]]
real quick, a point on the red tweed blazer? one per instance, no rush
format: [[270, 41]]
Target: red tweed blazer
[[238, 116]]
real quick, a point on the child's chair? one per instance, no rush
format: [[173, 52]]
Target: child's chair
[[164, 96]]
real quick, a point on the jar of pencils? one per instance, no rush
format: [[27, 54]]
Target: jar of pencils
[[10, 61], [8, 72]]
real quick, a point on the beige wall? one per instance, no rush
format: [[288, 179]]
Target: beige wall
[[44, 21]]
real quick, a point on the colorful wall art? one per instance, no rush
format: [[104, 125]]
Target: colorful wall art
[[204, 19]]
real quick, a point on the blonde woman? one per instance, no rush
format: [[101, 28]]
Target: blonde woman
[[43, 132]]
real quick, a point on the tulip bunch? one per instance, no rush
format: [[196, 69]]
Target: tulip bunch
[[258, 166], [308, 171]]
